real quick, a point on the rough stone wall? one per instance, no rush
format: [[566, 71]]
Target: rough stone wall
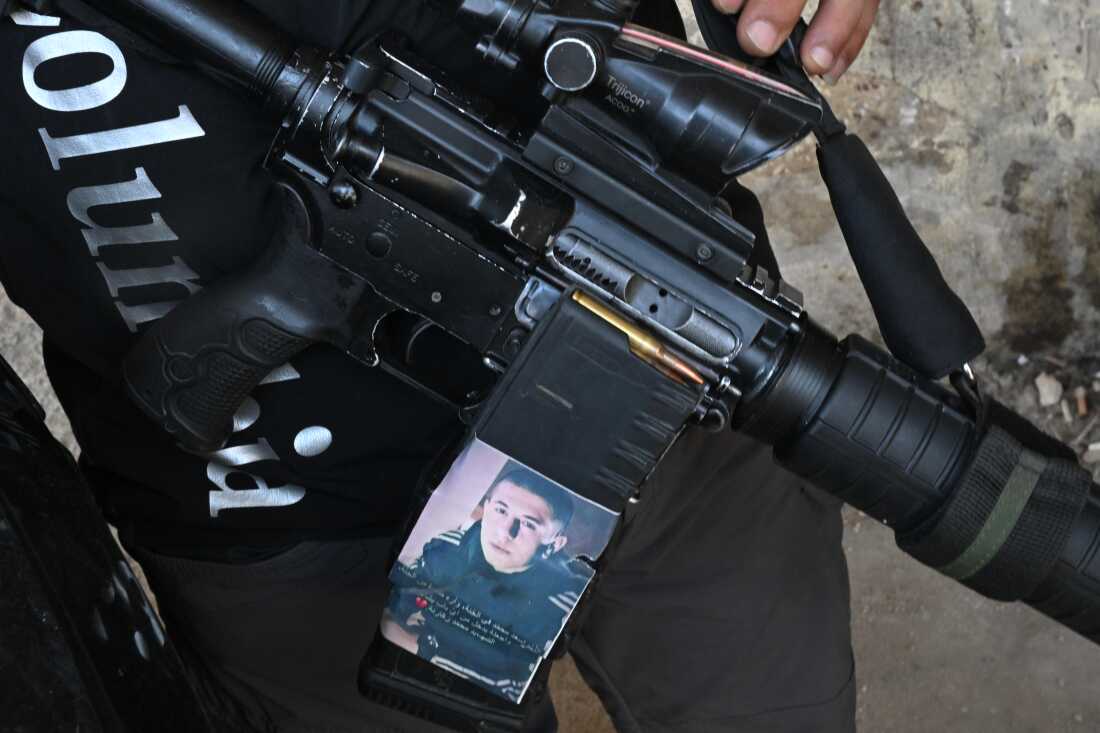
[[986, 117]]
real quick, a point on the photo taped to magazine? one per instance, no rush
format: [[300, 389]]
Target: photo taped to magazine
[[492, 570]]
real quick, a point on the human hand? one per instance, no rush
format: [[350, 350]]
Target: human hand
[[835, 37]]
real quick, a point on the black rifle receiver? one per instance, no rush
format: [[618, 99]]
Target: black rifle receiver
[[403, 197]]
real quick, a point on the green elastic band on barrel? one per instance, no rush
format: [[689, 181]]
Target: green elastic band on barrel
[[1001, 521]]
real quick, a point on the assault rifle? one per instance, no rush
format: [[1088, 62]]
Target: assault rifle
[[418, 211]]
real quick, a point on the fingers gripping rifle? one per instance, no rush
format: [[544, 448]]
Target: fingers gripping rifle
[[413, 209]]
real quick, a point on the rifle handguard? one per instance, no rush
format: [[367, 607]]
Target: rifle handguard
[[1021, 524], [994, 503]]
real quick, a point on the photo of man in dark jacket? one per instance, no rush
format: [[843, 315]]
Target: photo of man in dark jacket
[[487, 602]]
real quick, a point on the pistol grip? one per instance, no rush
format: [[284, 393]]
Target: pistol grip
[[190, 374], [192, 369]]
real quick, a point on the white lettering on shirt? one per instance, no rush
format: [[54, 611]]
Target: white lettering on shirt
[[87, 96], [27, 18], [228, 461], [82, 200], [181, 127]]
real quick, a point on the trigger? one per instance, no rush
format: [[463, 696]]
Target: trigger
[[427, 354], [415, 333]]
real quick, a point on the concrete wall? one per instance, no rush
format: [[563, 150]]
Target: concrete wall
[[986, 117]]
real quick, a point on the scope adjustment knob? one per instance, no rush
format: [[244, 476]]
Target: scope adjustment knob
[[571, 63]]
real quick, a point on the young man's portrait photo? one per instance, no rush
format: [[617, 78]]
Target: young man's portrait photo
[[492, 570]]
